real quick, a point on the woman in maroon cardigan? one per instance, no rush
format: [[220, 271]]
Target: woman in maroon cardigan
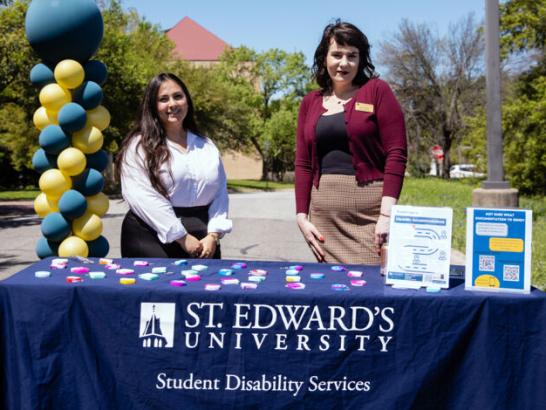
[[350, 153]]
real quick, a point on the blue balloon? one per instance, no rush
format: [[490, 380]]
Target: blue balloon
[[98, 248], [88, 95], [42, 161], [72, 117], [89, 182], [72, 204], [45, 248], [95, 71], [53, 139], [98, 160], [41, 75], [55, 227], [61, 29]]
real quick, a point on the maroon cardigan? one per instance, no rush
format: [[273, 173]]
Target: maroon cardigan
[[377, 140]]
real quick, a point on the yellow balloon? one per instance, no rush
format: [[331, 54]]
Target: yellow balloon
[[43, 205], [71, 161], [69, 74], [42, 118], [53, 97], [89, 140], [88, 227], [98, 204], [54, 183], [73, 246], [98, 117]]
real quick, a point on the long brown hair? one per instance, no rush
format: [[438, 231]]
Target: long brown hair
[[152, 134], [345, 34]]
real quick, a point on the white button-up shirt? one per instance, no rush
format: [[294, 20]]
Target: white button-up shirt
[[198, 179]]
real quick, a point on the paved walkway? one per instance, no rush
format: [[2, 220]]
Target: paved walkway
[[264, 228]]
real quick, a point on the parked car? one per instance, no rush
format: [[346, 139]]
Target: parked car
[[464, 171]]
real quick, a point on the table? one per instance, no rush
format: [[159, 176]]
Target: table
[[101, 345]]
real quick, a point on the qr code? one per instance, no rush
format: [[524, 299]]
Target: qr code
[[510, 273], [487, 263]]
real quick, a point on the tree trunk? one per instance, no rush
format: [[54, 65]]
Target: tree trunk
[[265, 165]]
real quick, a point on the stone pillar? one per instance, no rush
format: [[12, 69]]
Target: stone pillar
[[495, 198]]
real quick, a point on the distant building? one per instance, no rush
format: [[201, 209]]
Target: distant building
[[201, 48], [195, 43]]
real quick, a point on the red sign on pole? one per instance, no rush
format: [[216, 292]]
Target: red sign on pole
[[437, 152]]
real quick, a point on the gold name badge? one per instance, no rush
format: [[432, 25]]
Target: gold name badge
[[364, 107]]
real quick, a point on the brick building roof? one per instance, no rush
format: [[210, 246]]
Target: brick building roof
[[194, 42]]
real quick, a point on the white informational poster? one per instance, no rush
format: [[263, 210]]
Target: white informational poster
[[419, 246], [498, 250]]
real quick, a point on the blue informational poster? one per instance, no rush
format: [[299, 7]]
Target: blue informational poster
[[498, 250]]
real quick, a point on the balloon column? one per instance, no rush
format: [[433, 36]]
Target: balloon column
[[66, 34]]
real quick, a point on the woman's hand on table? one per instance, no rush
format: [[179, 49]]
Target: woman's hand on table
[[191, 245], [312, 236], [209, 243]]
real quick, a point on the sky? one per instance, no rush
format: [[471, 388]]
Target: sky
[[296, 25]]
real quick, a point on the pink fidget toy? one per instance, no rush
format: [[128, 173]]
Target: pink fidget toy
[[79, 269]]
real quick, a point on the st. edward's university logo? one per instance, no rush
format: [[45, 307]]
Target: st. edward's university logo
[[157, 324]]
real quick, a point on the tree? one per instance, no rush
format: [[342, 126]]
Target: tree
[[219, 112], [523, 26], [438, 81], [270, 85], [18, 98], [133, 51], [523, 31], [279, 140]]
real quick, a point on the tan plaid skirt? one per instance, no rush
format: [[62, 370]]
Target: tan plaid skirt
[[345, 214]]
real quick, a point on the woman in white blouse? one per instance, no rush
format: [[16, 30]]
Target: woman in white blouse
[[172, 178]]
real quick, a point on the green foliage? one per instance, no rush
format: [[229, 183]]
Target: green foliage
[[524, 121], [220, 114], [269, 86], [523, 27], [523, 24], [18, 99], [279, 140], [476, 138], [525, 139], [133, 51], [538, 205], [14, 125]]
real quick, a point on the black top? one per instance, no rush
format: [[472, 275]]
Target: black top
[[333, 146]]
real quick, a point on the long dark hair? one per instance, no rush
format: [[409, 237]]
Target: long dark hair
[[152, 134], [345, 34]]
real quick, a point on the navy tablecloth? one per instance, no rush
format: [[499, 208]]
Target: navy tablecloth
[[102, 345]]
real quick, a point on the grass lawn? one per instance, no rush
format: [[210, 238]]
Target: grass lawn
[[458, 195], [244, 185], [19, 195]]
